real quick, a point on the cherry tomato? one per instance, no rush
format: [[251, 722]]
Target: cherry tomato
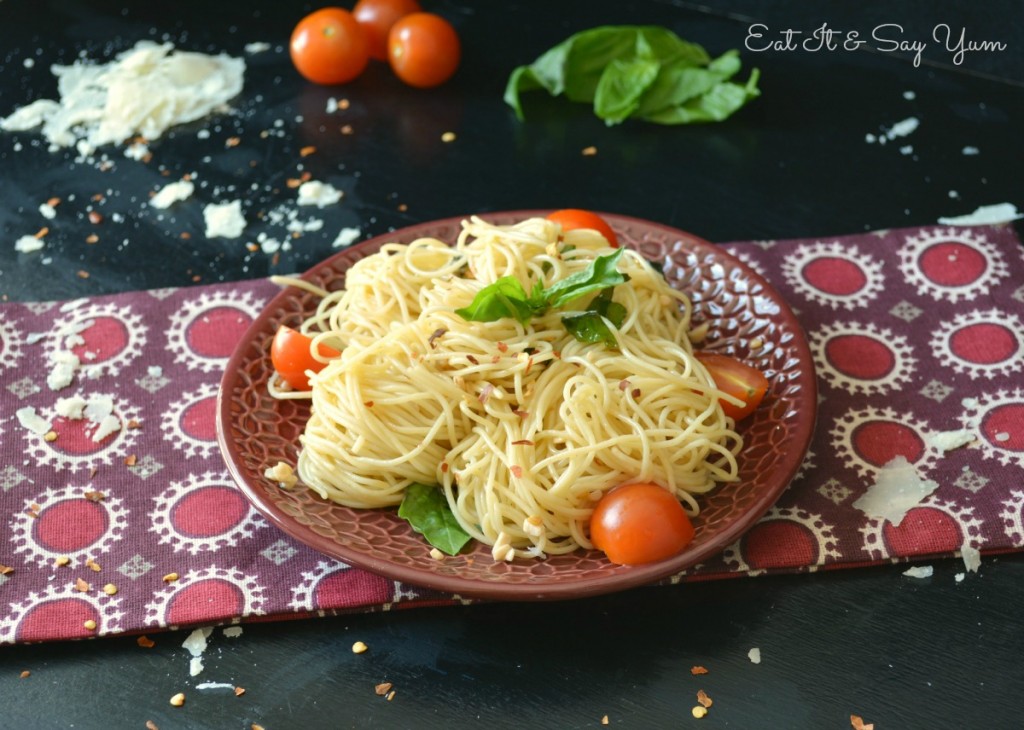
[[572, 218], [640, 523], [423, 49], [329, 47], [377, 17], [291, 355], [738, 380]]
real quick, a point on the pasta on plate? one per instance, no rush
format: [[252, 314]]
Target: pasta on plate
[[522, 423]]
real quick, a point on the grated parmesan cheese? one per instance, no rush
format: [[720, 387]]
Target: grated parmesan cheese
[[172, 193], [144, 91], [898, 488], [63, 371], [29, 419], [346, 236], [971, 557], [283, 474], [47, 211], [919, 571], [949, 440], [28, 244], [985, 215], [319, 194], [224, 220]]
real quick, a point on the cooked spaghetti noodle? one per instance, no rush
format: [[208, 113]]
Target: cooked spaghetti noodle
[[522, 425]]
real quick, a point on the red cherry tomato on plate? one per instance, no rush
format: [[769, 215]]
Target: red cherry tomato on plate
[[423, 49], [291, 354], [329, 47], [640, 523], [738, 379], [377, 16], [573, 218]]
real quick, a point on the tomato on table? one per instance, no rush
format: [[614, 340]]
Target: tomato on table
[[572, 219], [377, 16], [423, 49], [738, 379], [291, 353], [640, 523], [329, 46]]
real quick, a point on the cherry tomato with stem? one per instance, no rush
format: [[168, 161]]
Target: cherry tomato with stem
[[640, 523], [737, 379], [291, 354], [423, 50], [329, 47], [377, 16], [572, 219]]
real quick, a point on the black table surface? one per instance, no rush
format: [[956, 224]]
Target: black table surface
[[932, 653]]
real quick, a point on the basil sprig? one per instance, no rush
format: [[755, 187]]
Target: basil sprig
[[507, 297], [426, 509], [637, 72]]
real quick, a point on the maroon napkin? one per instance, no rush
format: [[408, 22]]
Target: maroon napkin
[[121, 516]]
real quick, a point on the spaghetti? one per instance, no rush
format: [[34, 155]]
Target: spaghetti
[[523, 426]]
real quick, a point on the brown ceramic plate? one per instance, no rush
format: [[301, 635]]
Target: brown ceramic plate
[[746, 317]]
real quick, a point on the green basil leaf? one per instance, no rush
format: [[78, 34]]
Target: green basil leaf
[[719, 103], [613, 311], [680, 81], [506, 297], [621, 86], [425, 508], [601, 274], [589, 327], [662, 44]]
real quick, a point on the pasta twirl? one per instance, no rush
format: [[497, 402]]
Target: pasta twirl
[[523, 426]]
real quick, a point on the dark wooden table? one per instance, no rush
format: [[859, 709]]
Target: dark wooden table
[[925, 654]]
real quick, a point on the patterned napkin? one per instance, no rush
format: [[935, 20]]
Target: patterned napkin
[[120, 516]]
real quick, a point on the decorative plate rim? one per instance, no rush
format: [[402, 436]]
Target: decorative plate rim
[[252, 485]]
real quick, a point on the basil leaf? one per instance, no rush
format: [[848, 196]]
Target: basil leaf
[[425, 508], [601, 274], [621, 86], [589, 327], [642, 72], [610, 310], [504, 298]]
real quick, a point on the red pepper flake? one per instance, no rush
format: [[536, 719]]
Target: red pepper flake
[[197, 278], [703, 700], [346, 129], [522, 414], [239, 691], [130, 460], [232, 141], [95, 217], [472, 359], [517, 471], [252, 247], [502, 347], [857, 723], [343, 103], [383, 688], [698, 670], [93, 496], [150, 725], [97, 197], [444, 467], [307, 151], [6, 570], [368, 404], [529, 366], [81, 585], [31, 513], [292, 182], [42, 232], [133, 424], [145, 642], [402, 207], [623, 384], [185, 235], [589, 151], [83, 274], [522, 442], [275, 259], [306, 176], [53, 202], [25, 674], [92, 238], [435, 336], [636, 393]]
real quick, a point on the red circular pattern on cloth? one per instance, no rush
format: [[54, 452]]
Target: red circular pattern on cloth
[[106, 338], [923, 530], [74, 436], [216, 332], [779, 544], [860, 356], [952, 264], [199, 420], [984, 343], [345, 585], [209, 511], [70, 525], [1006, 421], [203, 600], [879, 442], [835, 275], [70, 614]]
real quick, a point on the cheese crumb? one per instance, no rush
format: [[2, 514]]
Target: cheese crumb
[[319, 194], [949, 440], [63, 371], [47, 211], [257, 47], [897, 489], [172, 193], [754, 655], [971, 557], [224, 220], [28, 244], [29, 419], [346, 237], [283, 474], [919, 571], [985, 215]]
